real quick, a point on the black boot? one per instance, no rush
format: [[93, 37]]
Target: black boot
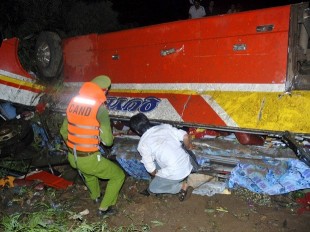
[[145, 192], [108, 212]]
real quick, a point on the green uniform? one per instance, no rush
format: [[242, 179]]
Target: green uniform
[[95, 167]]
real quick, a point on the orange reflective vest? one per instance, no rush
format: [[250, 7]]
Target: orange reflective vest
[[83, 126]]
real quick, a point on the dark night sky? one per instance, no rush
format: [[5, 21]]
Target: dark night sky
[[157, 11], [18, 20]]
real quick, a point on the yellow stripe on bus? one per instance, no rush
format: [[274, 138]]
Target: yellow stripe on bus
[[257, 110], [23, 83], [267, 111], [155, 91]]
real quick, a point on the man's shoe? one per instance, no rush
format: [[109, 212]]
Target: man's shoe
[[145, 192], [185, 194], [107, 213], [98, 199]]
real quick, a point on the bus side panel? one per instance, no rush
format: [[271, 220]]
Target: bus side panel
[[146, 64], [81, 58], [202, 51], [9, 59], [232, 51]]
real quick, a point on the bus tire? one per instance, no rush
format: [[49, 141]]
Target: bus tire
[[49, 57]]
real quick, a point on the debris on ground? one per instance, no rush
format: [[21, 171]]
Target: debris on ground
[[213, 201]]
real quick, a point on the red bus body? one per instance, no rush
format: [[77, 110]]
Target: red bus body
[[237, 71]]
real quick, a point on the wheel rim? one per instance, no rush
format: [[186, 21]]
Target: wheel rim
[[44, 55], [6, 133]]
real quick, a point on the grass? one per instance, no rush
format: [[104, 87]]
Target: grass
[[54, 220], [52, 216], [17, 165], [48, 214]]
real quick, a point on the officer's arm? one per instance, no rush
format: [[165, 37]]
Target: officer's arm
[[105, 126], [64, 129]]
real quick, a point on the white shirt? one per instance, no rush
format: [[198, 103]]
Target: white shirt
[[197, 13], [162, 144]]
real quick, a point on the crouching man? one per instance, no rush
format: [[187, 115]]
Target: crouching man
[[163, 156]]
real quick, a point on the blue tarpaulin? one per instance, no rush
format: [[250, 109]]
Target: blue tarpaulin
[[7, 110], [273, 178], [270, 176]]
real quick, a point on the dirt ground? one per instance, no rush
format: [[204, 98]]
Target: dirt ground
[[240, 211], [202, 213]]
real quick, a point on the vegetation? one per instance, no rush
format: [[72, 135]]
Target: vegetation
[[42, 211], [54, 220]]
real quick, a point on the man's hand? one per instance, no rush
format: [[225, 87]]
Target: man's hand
[[153, 173], [188, 142]]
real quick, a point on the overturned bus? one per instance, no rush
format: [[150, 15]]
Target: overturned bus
[[247, 72]]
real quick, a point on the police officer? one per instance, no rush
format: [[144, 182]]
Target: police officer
[[87, 124]]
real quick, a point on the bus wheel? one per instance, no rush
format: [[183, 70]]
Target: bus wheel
[[49, 58]]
